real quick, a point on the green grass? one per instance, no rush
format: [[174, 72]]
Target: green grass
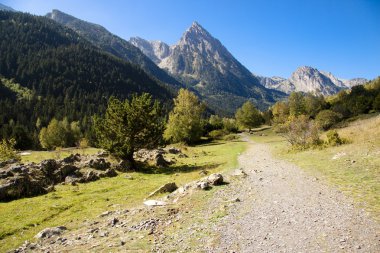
[[356, 173], [70, 205], [38, 156]]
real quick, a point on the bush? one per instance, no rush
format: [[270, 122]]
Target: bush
[[217, 134], [7, 150], [301, 132], [327, 118], [231, 137], [333, 138]]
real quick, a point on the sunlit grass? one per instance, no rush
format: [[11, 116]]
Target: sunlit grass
[[21, 219]]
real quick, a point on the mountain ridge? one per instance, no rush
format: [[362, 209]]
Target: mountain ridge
[[309, 79], [202, 62]]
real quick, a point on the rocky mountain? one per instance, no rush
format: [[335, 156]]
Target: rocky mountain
[[201, 61], [308, 79], [355, 81], [155, 50], [102, 38], [5, 8]]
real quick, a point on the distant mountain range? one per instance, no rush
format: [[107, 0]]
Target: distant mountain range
[[308, 79], [201, 61]]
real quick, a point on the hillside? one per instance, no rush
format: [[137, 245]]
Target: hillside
[[103, 39], [68, 76]]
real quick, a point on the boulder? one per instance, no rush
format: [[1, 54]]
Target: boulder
[[123, 166], [90, 177], [108, 173], [20, 186], [73, 179], [49, 166], [99, 164], [169, 187], [174, 150], [49, 232], [203, 185], [215, 179], [160, 161], [72, 158]]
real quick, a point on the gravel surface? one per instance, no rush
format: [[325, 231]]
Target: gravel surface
[[283, 209]]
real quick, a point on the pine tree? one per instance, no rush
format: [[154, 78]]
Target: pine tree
[[129, 126]]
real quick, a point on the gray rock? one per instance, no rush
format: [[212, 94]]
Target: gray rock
[[174, 150], [90, 177], [99, 164], [215, 179], [108, 173], [169, 187], [72, 158], [203, 185], [49, 232]]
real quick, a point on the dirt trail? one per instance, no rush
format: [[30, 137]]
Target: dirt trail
[[283, 209]]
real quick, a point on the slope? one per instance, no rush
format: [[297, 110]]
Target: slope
[[69, 77], [103, 39]]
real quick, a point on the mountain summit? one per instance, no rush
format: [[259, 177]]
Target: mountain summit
[[201, 61]]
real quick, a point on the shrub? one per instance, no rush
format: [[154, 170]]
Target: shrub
[[333, 138], [7, 150], [301, 132], [217, 134], [327, 118], [230, 137]]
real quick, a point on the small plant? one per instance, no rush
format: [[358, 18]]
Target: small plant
[[7, 150], [333, 138], [83, 144]]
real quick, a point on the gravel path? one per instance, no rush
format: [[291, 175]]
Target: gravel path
[[283, 209]]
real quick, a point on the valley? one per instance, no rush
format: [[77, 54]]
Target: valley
[[207, 127]]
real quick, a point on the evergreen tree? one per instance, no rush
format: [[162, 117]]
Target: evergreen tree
[[129, 126]]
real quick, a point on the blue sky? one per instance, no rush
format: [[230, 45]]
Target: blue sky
[[269, 37]]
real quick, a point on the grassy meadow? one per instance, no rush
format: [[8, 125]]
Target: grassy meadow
[[354, 167], [70, 205]]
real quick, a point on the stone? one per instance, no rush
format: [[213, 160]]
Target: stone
[[91, 176], [108, 173], [103, 154], [169, 187], [72, 158], [174, 150], [123, 166], [153, 202], [203, 185], [160, 161], [99, 164], [215, 179], [49, 232], [49, 166], [239, 173]]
